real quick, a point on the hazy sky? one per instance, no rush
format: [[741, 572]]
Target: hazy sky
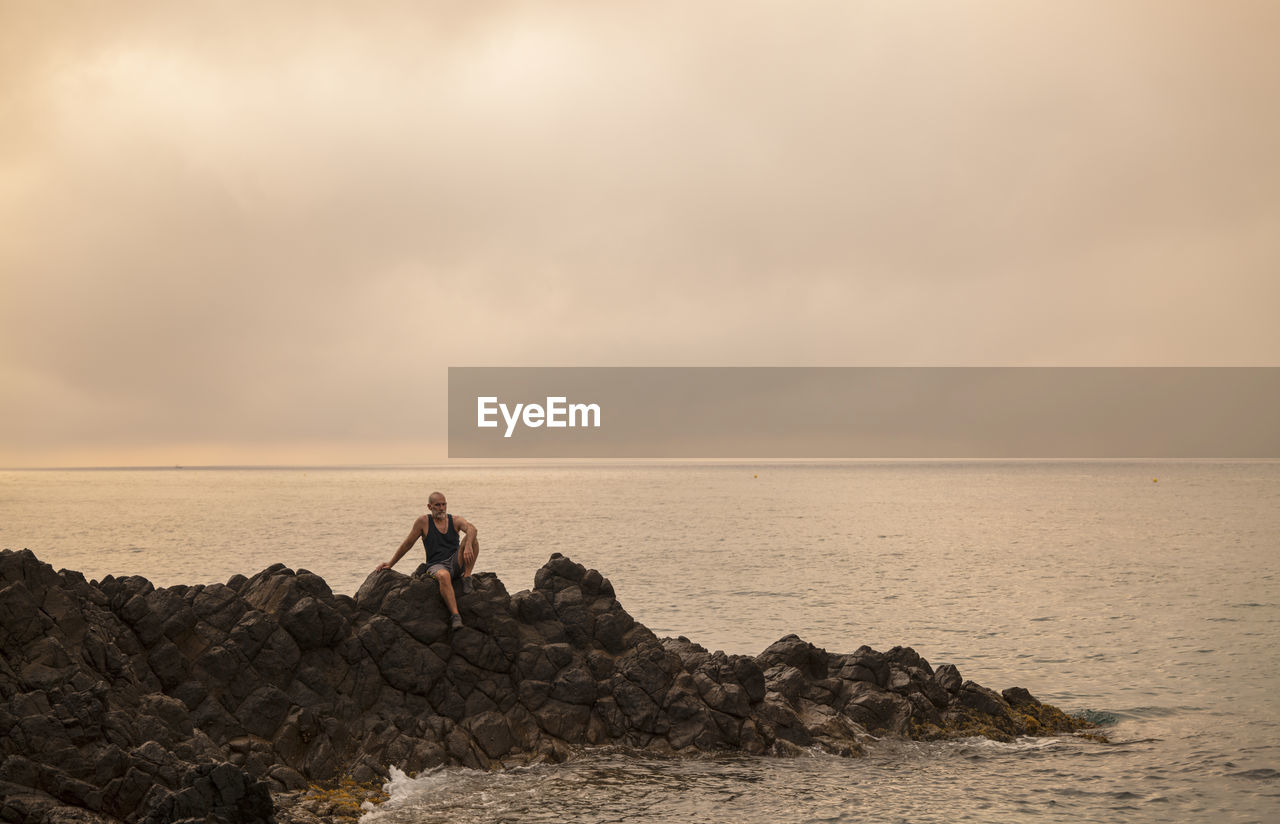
[[261, 232]]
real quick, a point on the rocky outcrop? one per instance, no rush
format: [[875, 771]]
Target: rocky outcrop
[[121, 701]]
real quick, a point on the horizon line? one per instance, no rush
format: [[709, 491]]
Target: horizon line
[[516, 462]]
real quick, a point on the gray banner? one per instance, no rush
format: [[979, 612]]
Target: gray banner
[[858, 412]]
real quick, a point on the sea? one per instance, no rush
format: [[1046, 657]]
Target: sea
[[1144, 595]]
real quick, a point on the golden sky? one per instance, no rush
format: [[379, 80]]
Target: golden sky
[[261, 232]]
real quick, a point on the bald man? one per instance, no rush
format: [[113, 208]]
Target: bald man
[[447, 556]]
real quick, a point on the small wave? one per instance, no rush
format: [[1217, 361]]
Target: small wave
[[1117, 795], [1119, 744], [406, 792], [1261, 774], [1102, 718], [1154, 712], [977, 746]]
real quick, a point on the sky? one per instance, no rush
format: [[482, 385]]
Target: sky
[[260, 233]]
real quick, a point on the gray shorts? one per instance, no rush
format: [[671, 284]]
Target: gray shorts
[[453, 565]]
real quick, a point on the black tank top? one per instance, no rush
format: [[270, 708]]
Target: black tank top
[[440, 548]]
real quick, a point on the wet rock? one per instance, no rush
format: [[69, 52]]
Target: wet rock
[[876, 709], [492, 732], [977, 697], [1019, 697]]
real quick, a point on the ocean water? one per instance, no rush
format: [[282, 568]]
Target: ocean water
[[1144, 593]]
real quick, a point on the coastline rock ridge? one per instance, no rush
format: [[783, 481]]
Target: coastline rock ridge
[[124, 702]]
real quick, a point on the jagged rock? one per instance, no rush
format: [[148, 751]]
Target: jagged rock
[[1018, 697], [141, 704], [793, 652], [948, 677], [977, 697]]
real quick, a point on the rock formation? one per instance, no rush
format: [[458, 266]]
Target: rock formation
[[123, 702]]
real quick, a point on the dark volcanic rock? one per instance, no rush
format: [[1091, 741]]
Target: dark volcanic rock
[[120, 701]]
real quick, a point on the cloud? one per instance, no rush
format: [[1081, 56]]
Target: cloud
[[244, 224]]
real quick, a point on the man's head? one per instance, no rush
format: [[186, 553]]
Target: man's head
[[436, 502]]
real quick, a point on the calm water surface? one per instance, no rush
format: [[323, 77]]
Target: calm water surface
[[1144, 592]]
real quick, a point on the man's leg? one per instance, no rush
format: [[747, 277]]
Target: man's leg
[[467, 584], [445, 582], [475, 553]]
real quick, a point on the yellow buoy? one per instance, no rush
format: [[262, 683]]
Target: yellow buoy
[[1155, 481]]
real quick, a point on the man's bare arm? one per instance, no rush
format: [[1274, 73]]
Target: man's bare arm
[[468, 531], [414, 534]]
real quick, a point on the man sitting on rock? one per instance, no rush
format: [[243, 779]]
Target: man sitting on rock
[[446, 559]]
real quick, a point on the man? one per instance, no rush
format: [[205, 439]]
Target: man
[[447, 558]]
